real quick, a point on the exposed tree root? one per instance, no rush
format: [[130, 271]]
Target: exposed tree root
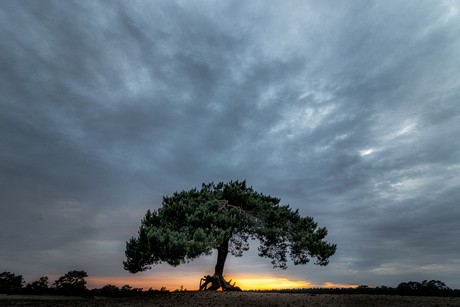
[[217, 281]]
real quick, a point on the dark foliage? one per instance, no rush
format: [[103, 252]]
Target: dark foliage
[[223, 217], [127, 290], [114, 291], [10, 283], [14, 284], [425, 288], [72, 283], [37, 287], [110, 291]]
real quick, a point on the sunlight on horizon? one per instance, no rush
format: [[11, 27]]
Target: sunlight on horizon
[[192, 283], [269, 283]]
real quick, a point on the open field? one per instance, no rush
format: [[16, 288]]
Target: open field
[[234, 299]]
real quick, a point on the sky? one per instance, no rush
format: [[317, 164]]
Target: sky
[[346, 110]]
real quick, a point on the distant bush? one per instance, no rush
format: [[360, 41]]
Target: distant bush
[[114, 291], [425, 288], [110, 291], [153, 292], [127, 290], [73, 283]]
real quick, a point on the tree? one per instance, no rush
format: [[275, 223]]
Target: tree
[[223, 217], [428, 288], [10, 281], [72, 283], [39, 286], [409, 288], [110, 291], [436, 287]]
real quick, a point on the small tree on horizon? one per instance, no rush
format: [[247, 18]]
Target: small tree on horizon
[[72, 283], [110, 291], [223, 217], [39, 286]]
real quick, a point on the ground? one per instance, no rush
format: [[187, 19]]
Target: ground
[[234, 299]]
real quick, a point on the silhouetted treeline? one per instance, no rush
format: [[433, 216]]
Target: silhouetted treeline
[[73, 283], [10, 282], [425, 288], [125, 291]]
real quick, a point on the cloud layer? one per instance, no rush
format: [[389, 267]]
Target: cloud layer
[[347, 111]]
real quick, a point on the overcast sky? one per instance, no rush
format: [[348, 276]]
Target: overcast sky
[[347, 110]]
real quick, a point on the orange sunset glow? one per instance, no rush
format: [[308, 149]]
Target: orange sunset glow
[[270, 283], [144, 282], [331, 285], [192, 283]]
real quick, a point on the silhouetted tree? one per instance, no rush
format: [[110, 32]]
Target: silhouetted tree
[[38, 287], [409, 288], [365, 289], [72, 283], [110, 291], [224, 217], [428, 288], [436, 288], [95, 292], [10, 282], [384, 290], [127, 290]]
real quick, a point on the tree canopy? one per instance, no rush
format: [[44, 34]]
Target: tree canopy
[[72, 283], [10, 281], [223, 217]]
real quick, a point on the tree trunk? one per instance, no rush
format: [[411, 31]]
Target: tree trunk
[[222, 253], [217, 280]]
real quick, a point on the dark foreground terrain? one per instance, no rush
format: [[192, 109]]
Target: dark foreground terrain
[[234, 299]]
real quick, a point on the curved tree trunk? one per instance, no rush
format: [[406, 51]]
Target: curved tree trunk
[[217, 280]]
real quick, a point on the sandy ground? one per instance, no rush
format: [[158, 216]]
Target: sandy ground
[[206, 299]]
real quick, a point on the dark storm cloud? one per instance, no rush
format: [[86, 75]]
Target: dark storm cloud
[[347, 111]]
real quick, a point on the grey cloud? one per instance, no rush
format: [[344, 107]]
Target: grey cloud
[[347, 111]]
